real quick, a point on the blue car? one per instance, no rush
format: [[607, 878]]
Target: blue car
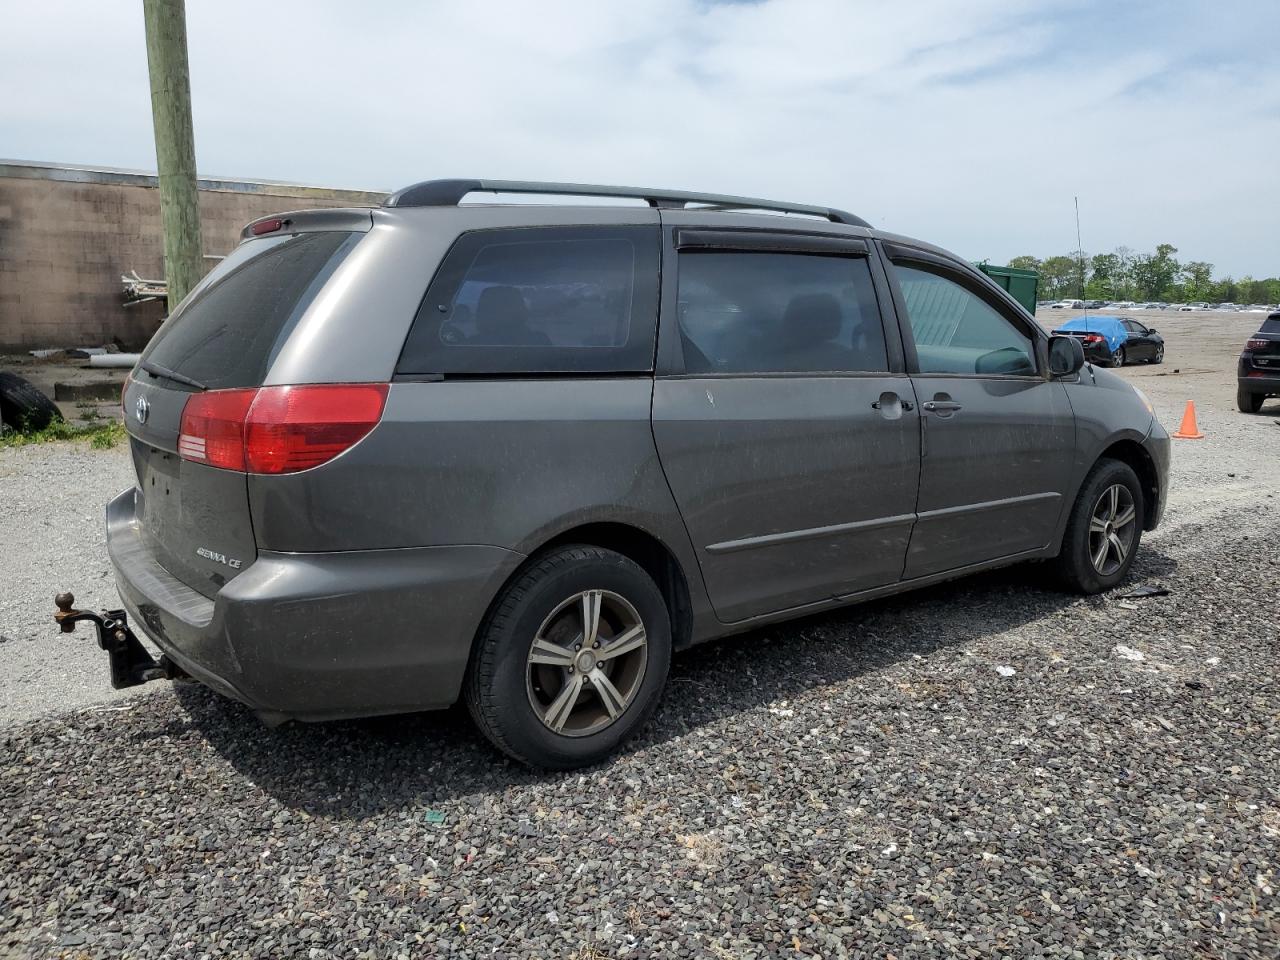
[[1115, 341]]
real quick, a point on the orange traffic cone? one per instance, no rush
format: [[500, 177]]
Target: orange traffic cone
[[1188, 430]]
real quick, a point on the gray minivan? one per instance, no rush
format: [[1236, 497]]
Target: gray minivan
[[520, 453]]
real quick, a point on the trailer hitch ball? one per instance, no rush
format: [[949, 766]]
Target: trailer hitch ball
[[131, 663], [65, 602]]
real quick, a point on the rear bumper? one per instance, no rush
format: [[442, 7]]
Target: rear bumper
[[1253, 380], [1098, 353], [317, 636]]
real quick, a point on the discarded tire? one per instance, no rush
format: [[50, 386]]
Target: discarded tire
[[22, 406]]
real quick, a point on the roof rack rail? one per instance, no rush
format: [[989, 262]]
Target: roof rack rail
[[449, 193]]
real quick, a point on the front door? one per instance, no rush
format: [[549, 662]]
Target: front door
[[791, 448], [1139, 345], [999, 437]]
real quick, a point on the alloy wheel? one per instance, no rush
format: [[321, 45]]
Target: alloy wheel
[[587, 663], [1112, 527]]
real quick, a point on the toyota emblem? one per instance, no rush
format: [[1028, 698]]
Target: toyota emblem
[[141, 409]]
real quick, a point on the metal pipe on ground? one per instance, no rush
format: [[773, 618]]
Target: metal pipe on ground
[[115, 361]]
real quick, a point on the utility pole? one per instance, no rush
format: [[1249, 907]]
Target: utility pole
[[166, 25]]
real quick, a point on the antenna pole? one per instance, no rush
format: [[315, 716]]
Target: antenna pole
[[1080, 250]]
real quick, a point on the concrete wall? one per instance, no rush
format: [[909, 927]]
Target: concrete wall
[[68, 233]]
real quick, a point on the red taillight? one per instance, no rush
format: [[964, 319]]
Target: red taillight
[[1256, 343], [279, 429], [294, 428], [1092, 338], [212, 429]]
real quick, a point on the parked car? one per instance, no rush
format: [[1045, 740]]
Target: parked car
[[1115, 341], [518, 455], [1258, 376], [1067, 305]]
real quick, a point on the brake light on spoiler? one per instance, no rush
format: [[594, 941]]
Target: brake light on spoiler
[[278, 429]]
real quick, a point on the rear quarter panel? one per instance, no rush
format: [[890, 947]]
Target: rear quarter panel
[[509, 463]]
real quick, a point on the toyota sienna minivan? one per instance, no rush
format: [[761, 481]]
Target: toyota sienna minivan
[[520, 453]]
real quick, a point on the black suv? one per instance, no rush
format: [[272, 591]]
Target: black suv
[[1259, 373]]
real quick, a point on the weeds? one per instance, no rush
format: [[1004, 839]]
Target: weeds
[[101, 436]]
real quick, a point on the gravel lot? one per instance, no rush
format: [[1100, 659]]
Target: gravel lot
[[983, 768]]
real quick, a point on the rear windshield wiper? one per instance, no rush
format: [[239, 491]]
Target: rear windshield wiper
[[165, 373]]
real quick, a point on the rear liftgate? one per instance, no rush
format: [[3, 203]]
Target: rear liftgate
[[131, 664]]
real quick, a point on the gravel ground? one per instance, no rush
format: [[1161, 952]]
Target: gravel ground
[[983, 768], [51, 526], [860, 784]]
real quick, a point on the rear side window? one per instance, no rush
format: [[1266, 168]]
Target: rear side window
[[230, 332], [956, 331], [540, 300], [749, 312]]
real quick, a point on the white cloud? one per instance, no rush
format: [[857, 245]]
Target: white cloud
[[971, 124]]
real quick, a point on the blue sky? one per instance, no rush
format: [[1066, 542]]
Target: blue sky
[[972, 124]]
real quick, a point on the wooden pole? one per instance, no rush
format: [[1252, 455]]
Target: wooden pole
[[166, 26]]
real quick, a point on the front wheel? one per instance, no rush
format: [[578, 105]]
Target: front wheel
[[1159, 357], [1248, 402], [1104, 529], [571, 660]]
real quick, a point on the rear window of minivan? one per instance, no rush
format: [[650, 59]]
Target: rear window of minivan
[[234, 325], [534, 300]]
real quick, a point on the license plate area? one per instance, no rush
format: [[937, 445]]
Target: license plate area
[[158, 476]]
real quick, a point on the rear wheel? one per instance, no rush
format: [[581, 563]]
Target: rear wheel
[[572, 659], [1117, 358], [1104, 529], [1248, 402]]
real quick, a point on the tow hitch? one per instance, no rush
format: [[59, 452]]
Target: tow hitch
[[131, 664]]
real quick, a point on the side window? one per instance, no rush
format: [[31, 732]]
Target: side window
[[1134, 327], [754, 312], [540, 300], [955, 331]]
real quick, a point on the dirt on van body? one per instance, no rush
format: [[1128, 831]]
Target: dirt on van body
[[985, 768]]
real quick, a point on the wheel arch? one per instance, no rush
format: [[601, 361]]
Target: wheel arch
[[651, 554], [637, 545], [1131, 452]]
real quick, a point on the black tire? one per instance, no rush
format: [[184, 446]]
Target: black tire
[[1118, 358], [1159, 354], [1075, 563], [1248, 402], [498, 687], [23, 407]]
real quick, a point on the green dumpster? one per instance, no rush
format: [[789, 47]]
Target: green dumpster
[[1021, 284]]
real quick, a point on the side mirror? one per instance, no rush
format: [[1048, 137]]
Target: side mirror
[[1152, 330], [1066, 356]]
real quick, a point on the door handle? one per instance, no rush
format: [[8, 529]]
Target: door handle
[[890, 399], [942, 406]]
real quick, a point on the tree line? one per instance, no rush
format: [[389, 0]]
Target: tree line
[[1127, 275]]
